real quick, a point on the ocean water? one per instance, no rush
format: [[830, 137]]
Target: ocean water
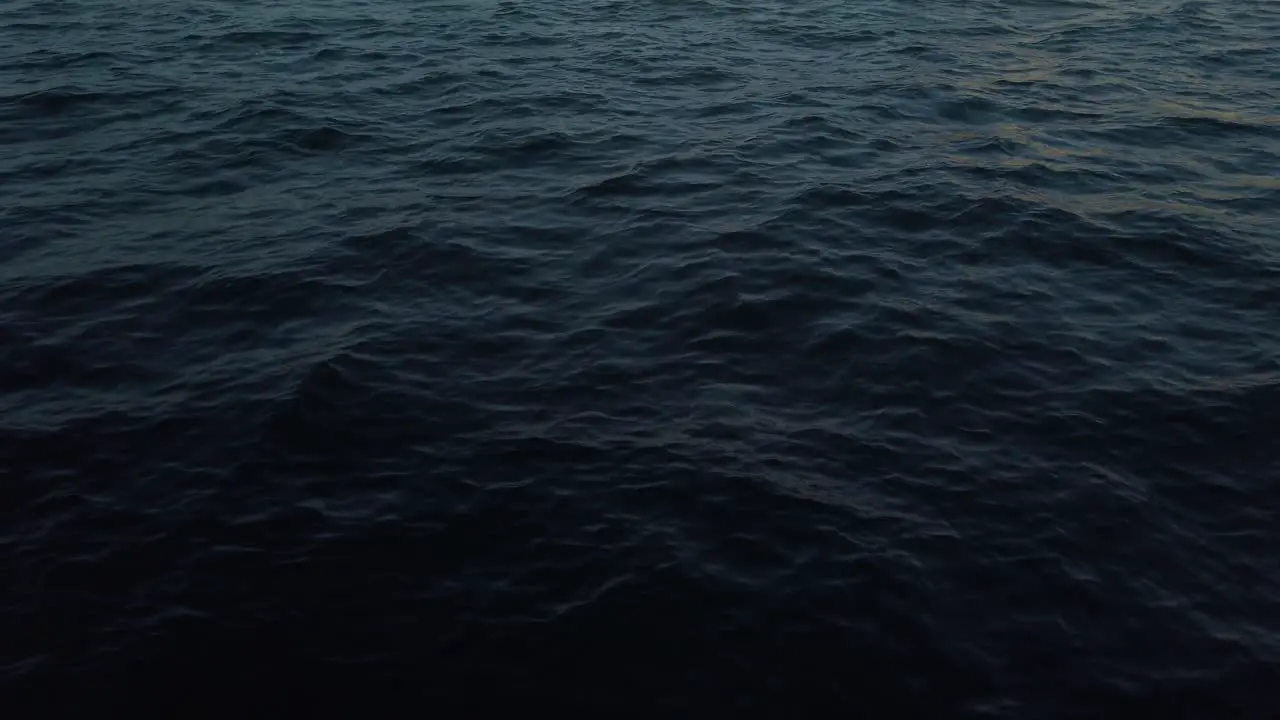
[[872, 358]]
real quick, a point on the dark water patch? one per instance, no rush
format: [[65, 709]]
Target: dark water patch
[[1224, 126], [692, 77], [267, 38], [321, 139], [53, 103]]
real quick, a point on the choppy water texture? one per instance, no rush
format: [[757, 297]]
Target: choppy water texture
[[914, 358]]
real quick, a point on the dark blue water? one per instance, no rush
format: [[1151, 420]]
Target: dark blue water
[[914, 359]]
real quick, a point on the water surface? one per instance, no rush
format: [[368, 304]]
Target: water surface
[[635, 357]]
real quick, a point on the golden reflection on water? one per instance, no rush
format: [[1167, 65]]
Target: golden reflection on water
[[1187, 109], [1019, 67], [1022, 137]]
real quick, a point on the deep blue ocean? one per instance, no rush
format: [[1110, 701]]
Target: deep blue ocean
[[658, 358]]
